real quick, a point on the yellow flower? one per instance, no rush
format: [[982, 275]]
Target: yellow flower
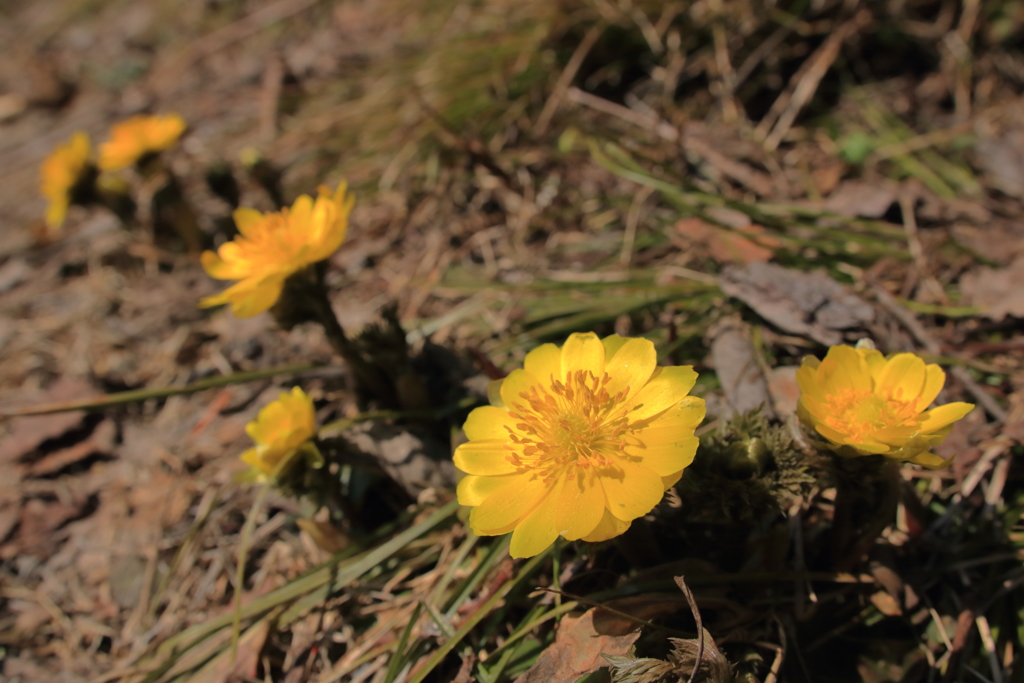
[[579, 443], [272, 246], [138, 136], [864, 404], [280, 430], [60, 172]]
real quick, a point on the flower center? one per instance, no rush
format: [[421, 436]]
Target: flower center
[[862, 414], [569, 427]]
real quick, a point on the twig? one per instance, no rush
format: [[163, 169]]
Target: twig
[[990, 647], [906, 201], [168, 75], [565, 79], [135, 395], [755, 181], [700, 625], [997, 482], [805, 82], [270, 95], [632, 220], [973, 478]]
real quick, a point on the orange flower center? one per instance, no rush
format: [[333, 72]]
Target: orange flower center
[[570, 425], [862, 414]]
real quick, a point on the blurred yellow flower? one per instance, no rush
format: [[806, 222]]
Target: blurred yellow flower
[[280, 430], [138, 136], [273, 246], [864, 404], [61, 171], [579, 443]]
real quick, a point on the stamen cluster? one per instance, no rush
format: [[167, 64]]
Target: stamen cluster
[[579, 443]]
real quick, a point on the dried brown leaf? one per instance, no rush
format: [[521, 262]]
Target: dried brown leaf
[[859, 198], [578, 650], [100, 441], [810, 304], [227, 669], [27, 433], [729, 246], [733, 355], [999, 291]]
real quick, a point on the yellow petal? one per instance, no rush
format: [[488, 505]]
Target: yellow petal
[[667, 457], [56, 212], [869, 447], [484, 457], [875, 362], [668, 387], [252, 298], [494, 393], [807, 380], [545, 363], [934, 380], [681, 419], [830, 433], [301, 213], [512, 499], [517, 383], [895, 436], [930, 460], [631, 366], [488, 423], [671, 480], [578, 509], [583, 351], [612, 343], [251, 457], [246, 220], [818, 410], [631, 490], [537, 530], [473, 490], [842, 369], [904, 375], [937, 418], [608, 527]]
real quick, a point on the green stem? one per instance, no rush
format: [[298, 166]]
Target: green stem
[[137, 395], [243, 550]]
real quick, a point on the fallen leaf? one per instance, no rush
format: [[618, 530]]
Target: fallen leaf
[[326, 536], [1002, 159], [784, 390], [733, 356], [227, 669], [999, 291], [38, 522], [827, 177], [9, 515], [809, 304], [27, 433], [100, 441], [729, 245], [577, 650], [859, 198], [886, 604]]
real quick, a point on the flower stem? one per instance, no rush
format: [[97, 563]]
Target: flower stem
[[305, 299], [867, 495]]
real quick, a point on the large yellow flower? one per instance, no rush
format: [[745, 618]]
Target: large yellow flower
[[272, 246], [583, 440], [865, 404], [280, 430], [61, 171], [138, 136]]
